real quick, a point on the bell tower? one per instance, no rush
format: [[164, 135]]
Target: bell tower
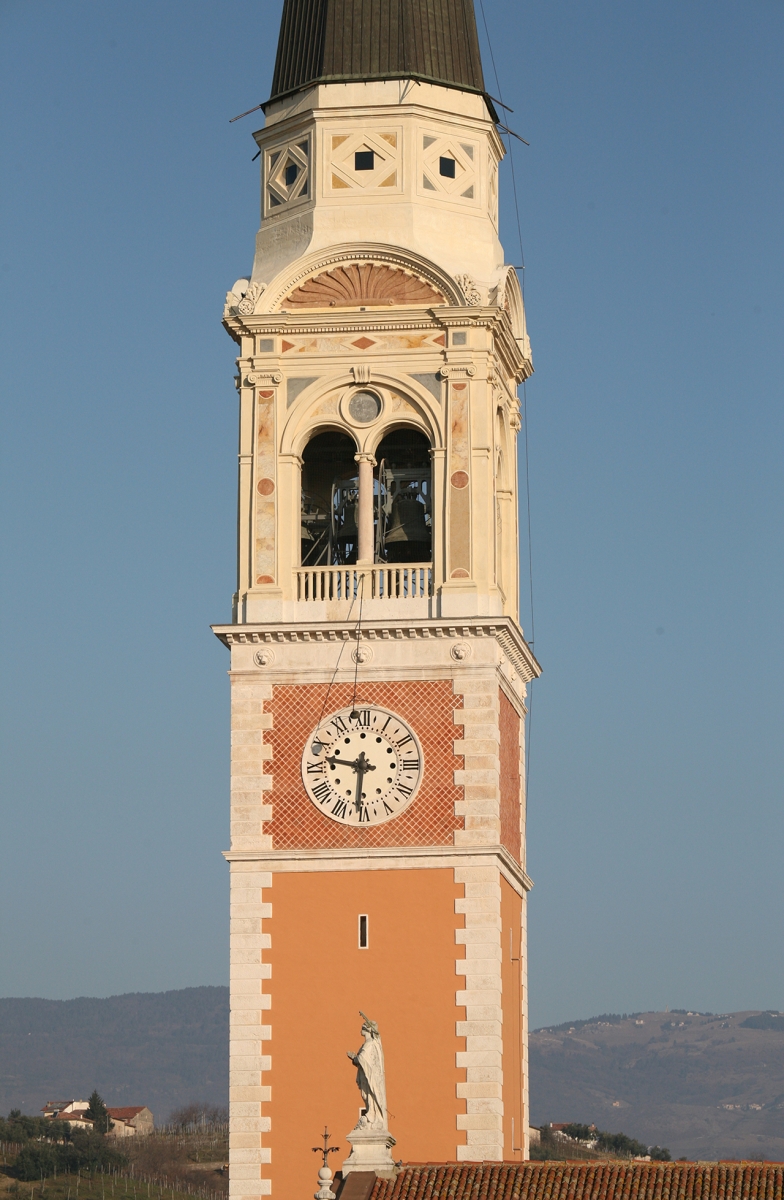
[[378, 667]]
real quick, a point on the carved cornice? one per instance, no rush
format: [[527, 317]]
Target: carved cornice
[[506, 632], [323, 323]]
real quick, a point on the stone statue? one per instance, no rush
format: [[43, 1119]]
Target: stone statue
[[369, 1061]]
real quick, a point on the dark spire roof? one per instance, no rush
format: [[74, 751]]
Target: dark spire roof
[[337, 41]]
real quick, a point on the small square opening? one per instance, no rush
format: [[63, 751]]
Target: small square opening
[[364, 160], [363, 932], [290, 174], [447, 167]]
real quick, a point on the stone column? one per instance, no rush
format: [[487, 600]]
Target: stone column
[[365, 515]]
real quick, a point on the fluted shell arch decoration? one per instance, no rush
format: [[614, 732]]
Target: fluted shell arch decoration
[[365, 285]]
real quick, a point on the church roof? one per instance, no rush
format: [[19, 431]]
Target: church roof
[[340, 41], [584, 1181]]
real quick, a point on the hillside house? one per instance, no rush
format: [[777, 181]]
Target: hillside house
[[76, 1120], [130, 1121], [53, 1108]]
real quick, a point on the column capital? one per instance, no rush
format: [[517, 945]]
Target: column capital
[[365, 458]]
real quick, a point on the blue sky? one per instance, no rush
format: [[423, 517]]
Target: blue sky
[[650, 206]]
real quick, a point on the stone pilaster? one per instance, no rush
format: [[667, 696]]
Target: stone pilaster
[[249, 1036], [249, 782], [481, 750], [481, 996]]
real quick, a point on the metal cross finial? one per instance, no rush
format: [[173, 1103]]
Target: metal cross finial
[[326, 1149]]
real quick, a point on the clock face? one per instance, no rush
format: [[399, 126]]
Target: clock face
[[362, 766]]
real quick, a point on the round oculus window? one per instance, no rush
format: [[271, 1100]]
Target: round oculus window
[[364, 407]]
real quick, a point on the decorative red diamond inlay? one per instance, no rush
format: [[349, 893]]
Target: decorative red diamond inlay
[[363, 343], [429, 821]]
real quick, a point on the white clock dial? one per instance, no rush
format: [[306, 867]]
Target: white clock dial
[[362, 766]]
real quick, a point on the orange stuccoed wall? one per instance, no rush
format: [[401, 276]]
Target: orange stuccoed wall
[[320, 980]]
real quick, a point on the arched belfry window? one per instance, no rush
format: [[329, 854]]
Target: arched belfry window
[[396, 498], [404, 521], [330, 501]]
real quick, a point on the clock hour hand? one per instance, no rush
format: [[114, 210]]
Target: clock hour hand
[[333, 761]]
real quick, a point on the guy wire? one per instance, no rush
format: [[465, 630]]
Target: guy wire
[[359, 634], [525, 398], [337, 665]]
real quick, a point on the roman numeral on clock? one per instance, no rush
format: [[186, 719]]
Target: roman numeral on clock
[[362, 766], [322, 792]]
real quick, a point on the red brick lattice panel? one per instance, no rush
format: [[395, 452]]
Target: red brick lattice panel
[[430, 820], [586, 1181], [510, 778]]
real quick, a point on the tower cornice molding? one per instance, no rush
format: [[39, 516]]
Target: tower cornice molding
[[401, 858], [384, 320], [506, 632]]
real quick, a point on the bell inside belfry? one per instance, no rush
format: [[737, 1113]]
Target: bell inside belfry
[[403, 498], [402, 517], [330, 496]]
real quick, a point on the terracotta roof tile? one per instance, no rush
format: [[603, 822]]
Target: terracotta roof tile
[[125, 1114], [585, 1181]]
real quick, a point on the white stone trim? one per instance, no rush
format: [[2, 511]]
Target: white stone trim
[[480, 747], [480, 972], [385, 858], [249, 1033]]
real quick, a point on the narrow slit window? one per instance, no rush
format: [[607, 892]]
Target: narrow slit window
[[363, 932]]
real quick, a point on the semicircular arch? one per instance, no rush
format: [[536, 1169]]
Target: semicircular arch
[[435, 286], [408, 405], [513, 303]]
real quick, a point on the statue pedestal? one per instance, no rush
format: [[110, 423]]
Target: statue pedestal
[[370, 1151]]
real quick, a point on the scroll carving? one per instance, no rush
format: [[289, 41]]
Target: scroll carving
[[469, 289]]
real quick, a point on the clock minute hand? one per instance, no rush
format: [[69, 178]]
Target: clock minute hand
[[362, 767]]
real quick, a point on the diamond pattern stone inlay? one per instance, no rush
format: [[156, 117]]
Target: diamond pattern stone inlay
[[428, 706]]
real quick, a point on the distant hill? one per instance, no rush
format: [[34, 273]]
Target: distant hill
[[706, 1086], [162, 1049]]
